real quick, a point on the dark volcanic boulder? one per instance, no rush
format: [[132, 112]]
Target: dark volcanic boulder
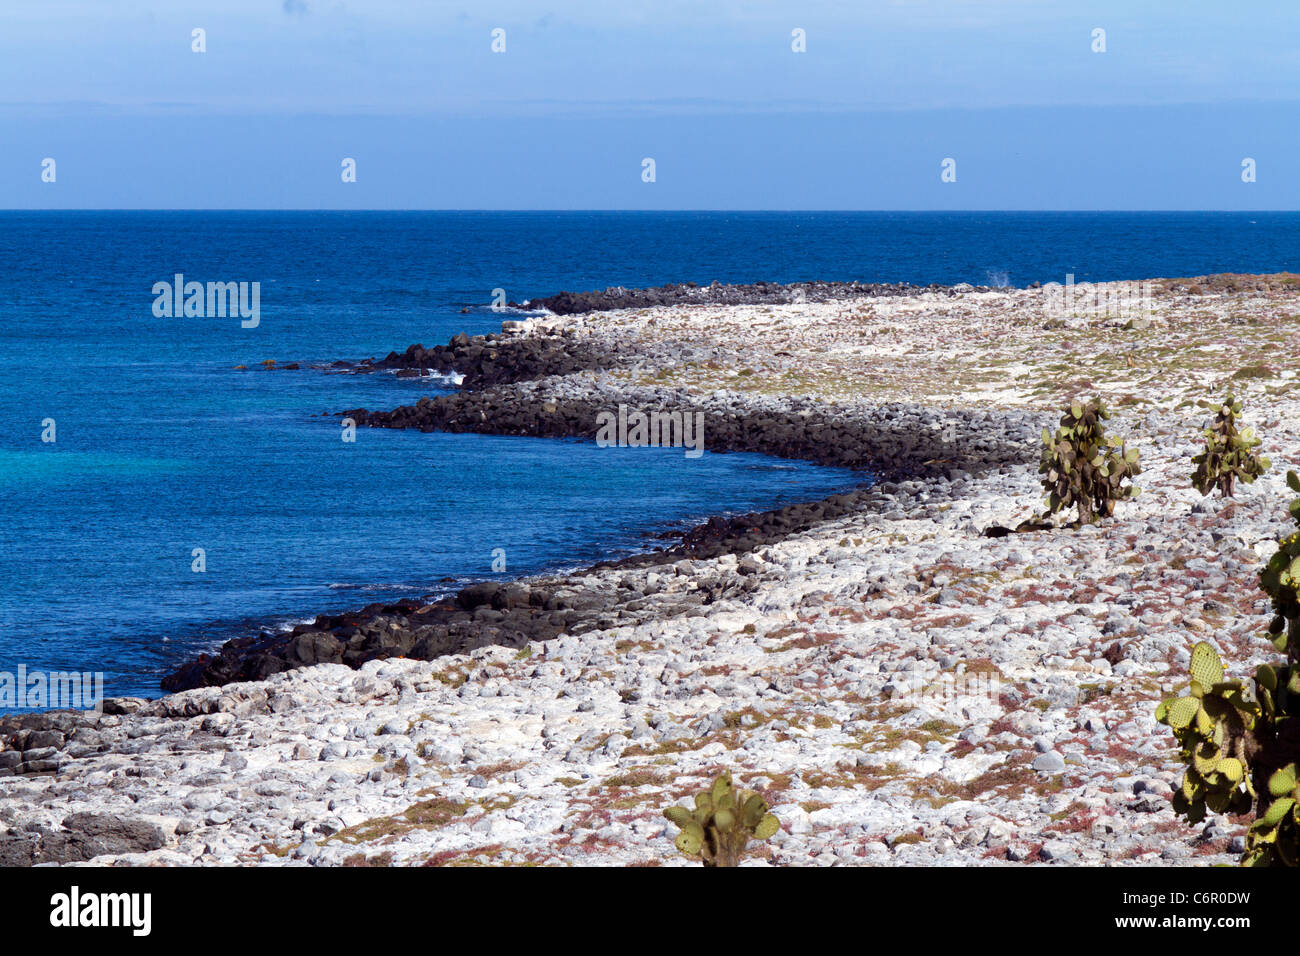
[[83, 837], [477, 595], [316, 647]]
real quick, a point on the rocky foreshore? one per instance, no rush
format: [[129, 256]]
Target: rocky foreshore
[[511, 614], [901, 687], [720, 293], [525, 385]]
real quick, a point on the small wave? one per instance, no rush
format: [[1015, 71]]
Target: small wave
[[382, 586], [445, 378], [524, 308], [519, 308], [285, 627], [998, 278]]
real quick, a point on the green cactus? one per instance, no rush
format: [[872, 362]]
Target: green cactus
[[1274, 837], [723, 822], [1083, 467], [1211, 725], [1280, 580], [1239, 738], [1229, 454]]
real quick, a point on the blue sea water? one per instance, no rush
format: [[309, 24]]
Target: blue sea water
[[163, 447]]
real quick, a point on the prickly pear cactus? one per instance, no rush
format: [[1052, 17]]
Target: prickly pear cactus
[[1083, 467], [1274, 838], [1211, 724], [1275, 835], [1229, 454], [1280, 580], [1239, 738], [723, 822]]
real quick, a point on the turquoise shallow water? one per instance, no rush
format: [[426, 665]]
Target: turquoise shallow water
[[163, 447]]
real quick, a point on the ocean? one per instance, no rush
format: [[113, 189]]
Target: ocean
[[164, 452]]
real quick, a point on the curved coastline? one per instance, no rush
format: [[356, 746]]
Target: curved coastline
[[535, 379]]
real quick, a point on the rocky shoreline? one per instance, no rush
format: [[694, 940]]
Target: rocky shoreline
[[519, 385], [718, 293], [902, 689], [775, 293]]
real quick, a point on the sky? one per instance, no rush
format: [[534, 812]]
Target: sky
[[1015, 92]]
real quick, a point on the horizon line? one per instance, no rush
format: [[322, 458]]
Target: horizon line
[[538, 209]]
